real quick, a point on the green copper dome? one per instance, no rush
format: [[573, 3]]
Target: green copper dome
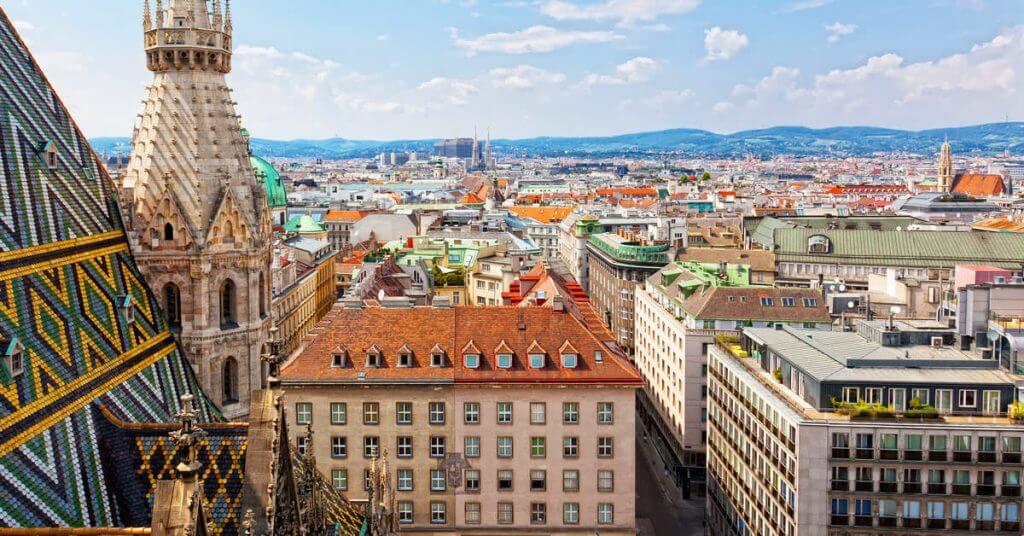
[[271, 179]]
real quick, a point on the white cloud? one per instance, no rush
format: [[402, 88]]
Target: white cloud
[[723, 44], [23, 25], [532, 39], [722, 107], [781, 85], [624, 12], [633, 71], [523, 77], [452, 91], [838, 30], [806, 4], [250, 51], [383, 37]]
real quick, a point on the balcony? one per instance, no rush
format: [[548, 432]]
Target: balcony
[[887, 521], [865, 454], [888, 454], [963, 456], [961, 489], [985, 525], [961, 524], [839, 520], [937, 455], [935, 524], [863, 521], [887, 487], [936, 488], [987, 457], [1011, 457], [912, 522], [912, 455], [1009, 526], [1009, 491], [985, 490], [911, 487], [840, 485], [839, 453], [864, 485]]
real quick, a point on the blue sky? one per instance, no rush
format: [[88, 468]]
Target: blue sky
[[387, 69]]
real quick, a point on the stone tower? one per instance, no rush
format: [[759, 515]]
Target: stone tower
[[198, 218], [946, 167]]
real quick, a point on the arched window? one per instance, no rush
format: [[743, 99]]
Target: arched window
[[172, 305], [227, 304], [819, 244], [230, 377], [263, 296], [168, 231]]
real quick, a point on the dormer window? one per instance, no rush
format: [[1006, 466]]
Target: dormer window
[[788, 302], [405, 356], [338, 358], [767, 302], [437, 356], [810, 302], [598, 356], [503, 354], [128, 308], [48, 152], [373, 357], [14, 357], [819, 244], [537, 361], [471, 360], [570, 357]]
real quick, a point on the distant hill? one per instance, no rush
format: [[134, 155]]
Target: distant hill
[[989, 139]]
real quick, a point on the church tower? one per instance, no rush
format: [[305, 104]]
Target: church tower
[[475, 160], [198, 218], [946, 167]]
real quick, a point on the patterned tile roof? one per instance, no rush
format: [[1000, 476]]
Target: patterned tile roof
[[65, 273]]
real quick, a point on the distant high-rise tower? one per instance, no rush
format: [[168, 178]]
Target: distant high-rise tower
[[199, 220], [488, 163], [946, 167], [475, 160]]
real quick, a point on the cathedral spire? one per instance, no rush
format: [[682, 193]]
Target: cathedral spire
[[147, 24], [946, 166]]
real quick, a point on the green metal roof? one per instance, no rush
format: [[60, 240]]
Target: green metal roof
[[925, 249], [304, 224], [622, 250], [271, 179]]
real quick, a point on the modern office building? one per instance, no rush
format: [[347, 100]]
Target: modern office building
[[889, 429], [617, 265], [494, 420], [680, 310], [457, 148]]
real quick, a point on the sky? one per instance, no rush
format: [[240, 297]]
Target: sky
[[402, 69]]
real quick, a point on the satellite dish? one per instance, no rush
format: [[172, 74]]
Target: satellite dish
[[380, 295], [842, 287]]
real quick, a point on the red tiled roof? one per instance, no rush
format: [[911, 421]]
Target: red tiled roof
[[626, 192], [541, 214], [979, 184], [345, 215], [420, 328]]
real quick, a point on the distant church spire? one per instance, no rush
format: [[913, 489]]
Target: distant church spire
[[475, 163], [487, 151], [946, 166]]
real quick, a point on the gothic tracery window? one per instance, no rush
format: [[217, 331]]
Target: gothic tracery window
[[227, 304]]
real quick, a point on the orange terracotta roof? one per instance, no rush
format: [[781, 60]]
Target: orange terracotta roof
[[979, 184], [626, 192], [1002, 223], [471, 199], [345, 215], [541, 214], [356, 331]]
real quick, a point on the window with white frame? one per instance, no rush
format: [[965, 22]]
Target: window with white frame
[[304, 413], [538, 513], [471, 412], [472, 513], [606, 480], [437, 446], [570, 413], [339, 479], [405, 511], [505, 510], [339, 447], [504, 413], [472, 446], [437, 480], [570, 480], [968, 398], [371, 446], [403, 413], [405, 477], [404, 446], [504, 444], [605, 513], [436, 412], [571, 513], [538, 412], [605, 413], [339, 412]]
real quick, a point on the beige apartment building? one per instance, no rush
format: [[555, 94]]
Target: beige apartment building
[[680, 310], [867, 433], [493, 420]]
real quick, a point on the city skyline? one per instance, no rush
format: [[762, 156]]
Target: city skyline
[[391, 70]]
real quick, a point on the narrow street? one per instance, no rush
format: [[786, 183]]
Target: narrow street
[[655, 510]]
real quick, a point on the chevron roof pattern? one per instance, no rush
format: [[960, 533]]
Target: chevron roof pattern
[[79, 328]]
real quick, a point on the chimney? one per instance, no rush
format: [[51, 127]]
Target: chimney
[[558, 304], [440, 302]]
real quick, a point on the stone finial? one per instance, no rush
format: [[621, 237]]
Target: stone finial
[[272, 357], [189, 437], [248, 522], [147, 24]]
